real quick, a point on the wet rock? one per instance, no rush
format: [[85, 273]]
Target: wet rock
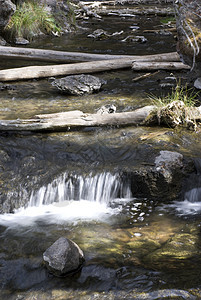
[[6, 11], [107, 109], [62, 257], [7, 87], [163, 181], [167, 162], [2, 42], [135, 39], [197, 83], [21, 41], [99, 34], [78, 84]]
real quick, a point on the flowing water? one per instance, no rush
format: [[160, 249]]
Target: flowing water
[[74, 184]]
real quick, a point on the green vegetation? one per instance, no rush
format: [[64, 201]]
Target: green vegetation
[[176, 109], [30, 19], [168, 20], [180, 93]]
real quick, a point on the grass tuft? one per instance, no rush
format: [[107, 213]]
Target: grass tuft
[[188, 96], [30, 19]]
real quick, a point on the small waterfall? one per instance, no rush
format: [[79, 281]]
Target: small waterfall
[[193, 193], [101, 188]]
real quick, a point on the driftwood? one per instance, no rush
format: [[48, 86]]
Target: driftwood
[[136, 11], [144, 76], [64, 57], [64, 69], [138, 66], [66, 120], [70, 69]]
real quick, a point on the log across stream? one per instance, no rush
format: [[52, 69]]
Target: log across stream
[[66, 120], [93, 63]]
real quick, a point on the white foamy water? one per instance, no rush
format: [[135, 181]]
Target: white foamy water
[[183, 208], [72, 198], [67, 211], [186, 207]]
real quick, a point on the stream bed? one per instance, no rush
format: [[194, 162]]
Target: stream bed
[[72, 184]]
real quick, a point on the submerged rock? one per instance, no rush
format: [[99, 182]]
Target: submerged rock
[[64, 256], [78, 84], [135, 39]]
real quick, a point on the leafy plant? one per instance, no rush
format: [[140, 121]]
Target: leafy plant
[[30, 19]]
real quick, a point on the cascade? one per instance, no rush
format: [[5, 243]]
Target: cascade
[[193, 193], [101, 188]]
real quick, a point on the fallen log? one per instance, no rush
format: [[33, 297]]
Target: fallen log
[[67, 69], [141, 66], [64, 69], [129, 12], [66, 120], [64, 57]]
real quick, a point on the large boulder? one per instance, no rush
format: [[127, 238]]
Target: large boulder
[[62, 12], [78, 84], [63, 257], [164, 178], [7, 8]]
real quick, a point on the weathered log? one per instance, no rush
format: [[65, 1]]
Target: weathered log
[[64, 69], [64, 57], [138, 66], [136, 11], [67, 69], [66, 120]]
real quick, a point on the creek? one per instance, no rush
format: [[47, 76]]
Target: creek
[[74, 184]]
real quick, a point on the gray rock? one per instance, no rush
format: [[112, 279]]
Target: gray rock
[[62, 257], [169, 159], [107, 109], [7, 8], [78, 84], [21, 41], [2, 42], [167, 162], [135, 39], [197, 83]]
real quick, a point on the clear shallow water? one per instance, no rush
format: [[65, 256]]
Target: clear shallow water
[[133, 249], [129, 245]]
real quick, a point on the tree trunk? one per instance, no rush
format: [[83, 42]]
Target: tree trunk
[[66, 120], [70, 69], [64, 57], [138, 66]]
